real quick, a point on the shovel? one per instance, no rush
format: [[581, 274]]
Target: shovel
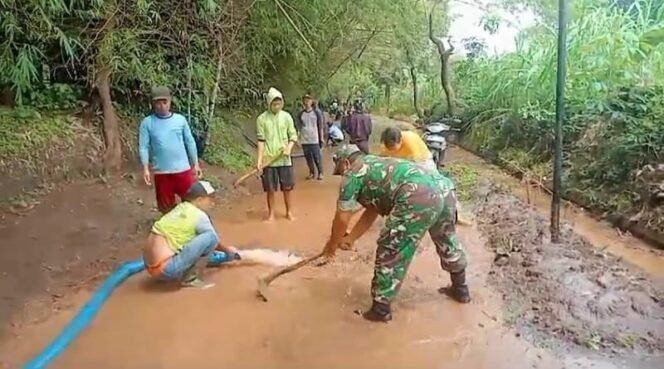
[[254, 171], [264, 282]]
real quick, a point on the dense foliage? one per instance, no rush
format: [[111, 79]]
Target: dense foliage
[[63, 54], [56, 48], [614, 127], [614, 101]]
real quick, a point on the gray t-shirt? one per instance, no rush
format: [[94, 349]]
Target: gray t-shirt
[[309, 132]]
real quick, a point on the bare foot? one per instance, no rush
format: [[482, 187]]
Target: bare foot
[[290, 216], [347, 246], [324, 261], [270, 218]]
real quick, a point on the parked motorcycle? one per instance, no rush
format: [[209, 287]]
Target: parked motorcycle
[[435, 136]]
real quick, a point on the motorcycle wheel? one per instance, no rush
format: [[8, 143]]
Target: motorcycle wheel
[[436, 155], [441, 157]]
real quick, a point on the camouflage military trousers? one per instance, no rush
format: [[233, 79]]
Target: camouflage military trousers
[[416, 211]]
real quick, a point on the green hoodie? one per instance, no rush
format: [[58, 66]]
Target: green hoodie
[[275, 130]]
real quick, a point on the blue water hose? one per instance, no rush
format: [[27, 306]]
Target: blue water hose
[[85, 315], [217, 258], [92, 307]]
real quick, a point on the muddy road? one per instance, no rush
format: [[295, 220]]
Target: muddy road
[[309, 320]]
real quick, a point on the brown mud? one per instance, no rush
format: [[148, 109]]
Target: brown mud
[[567, 291], [600, 234], [640, 219], [69, 239], [309, 320]]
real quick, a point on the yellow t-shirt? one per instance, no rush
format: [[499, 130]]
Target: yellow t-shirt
[[412, 148], [178, 226]]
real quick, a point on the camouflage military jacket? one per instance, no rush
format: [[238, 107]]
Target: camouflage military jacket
[[378, 181]]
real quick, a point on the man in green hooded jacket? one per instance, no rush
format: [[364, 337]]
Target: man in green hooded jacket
[[276, 135]]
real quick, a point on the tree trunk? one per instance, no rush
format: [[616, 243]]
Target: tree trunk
[[445, 76], [388, 96], [444, 53], [102, 78], [113, 154], [217, 80], [413, 77], [416, 105]]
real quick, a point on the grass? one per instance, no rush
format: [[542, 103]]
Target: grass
[[214, 180], [628, 340], [614, 103], [593, 341], [227, 146], [25, 132], [466, 179]]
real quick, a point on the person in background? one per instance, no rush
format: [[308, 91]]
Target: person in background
[[359, 127], [405, 144], [334, 134], [335, 108], [165, 142], [336, 119], [344, 121], [311, 122], [276, 135], [409, 145], [179, 241], [413, 202]]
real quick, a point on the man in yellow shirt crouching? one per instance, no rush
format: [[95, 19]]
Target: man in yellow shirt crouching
[[409, 145], [406, 145]]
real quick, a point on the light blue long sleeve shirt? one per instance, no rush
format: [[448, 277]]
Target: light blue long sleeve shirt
[[167, 143]]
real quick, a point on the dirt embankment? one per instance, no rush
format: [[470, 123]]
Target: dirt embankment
[[567, 293]]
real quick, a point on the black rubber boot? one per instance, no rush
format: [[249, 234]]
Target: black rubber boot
[[459, 289], [379, 312]]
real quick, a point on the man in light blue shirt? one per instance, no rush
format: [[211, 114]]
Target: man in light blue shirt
[[167, 149]]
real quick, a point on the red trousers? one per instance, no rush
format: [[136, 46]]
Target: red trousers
[[168, 185]]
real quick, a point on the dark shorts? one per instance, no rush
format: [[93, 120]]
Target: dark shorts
[[278, 178]]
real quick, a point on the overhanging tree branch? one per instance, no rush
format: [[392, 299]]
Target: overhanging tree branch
[[281, 7], [350, 55]]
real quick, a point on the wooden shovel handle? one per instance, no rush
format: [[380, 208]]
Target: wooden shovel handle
[[272, 276], [254, 171]]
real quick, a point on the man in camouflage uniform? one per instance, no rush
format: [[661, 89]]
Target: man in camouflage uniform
[[408, 145], [414, 202]]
